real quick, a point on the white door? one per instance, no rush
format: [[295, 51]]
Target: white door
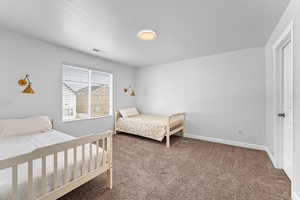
[[287, 109]]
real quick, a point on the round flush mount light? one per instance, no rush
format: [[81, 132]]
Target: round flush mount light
[[147, 35]]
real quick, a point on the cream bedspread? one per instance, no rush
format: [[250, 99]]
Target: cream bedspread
[[150, 126]]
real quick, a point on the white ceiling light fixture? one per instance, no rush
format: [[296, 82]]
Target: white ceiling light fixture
[[147, 35]]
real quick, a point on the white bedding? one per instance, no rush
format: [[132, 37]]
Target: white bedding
[[13, 146]]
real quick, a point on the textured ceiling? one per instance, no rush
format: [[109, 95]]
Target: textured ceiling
[[185, 29]]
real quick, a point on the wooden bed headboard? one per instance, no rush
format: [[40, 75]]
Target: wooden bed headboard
[[117, 117], [52, 123]]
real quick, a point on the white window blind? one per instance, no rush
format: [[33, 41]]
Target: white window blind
[[86, 93]]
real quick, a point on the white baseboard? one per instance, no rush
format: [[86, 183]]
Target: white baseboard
[[229, 142], [295, 197], [271, 158]]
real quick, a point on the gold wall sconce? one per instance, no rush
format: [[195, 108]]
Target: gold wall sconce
[[26, 83], [129, 90]]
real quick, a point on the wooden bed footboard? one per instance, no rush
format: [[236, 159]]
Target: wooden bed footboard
[[175, 129], [102, 164]]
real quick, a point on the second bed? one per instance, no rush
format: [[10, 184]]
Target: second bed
[[151, 126]]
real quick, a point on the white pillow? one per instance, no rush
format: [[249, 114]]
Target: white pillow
[[129, 112], [13, 127]]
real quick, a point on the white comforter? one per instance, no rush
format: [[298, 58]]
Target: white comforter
[[13, 146]]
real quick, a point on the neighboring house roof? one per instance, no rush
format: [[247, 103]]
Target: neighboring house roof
[[85, 89], [68, 87], [93, 88]]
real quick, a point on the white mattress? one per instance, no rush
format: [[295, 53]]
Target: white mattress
[[13, 146]]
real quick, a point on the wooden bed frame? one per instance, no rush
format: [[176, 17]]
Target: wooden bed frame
[[169, 131], [103, 165], [177, 129]]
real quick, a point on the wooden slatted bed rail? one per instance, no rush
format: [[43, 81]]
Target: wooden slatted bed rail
[[90, 168]]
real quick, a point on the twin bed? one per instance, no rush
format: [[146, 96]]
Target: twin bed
[[156, 127], [48, 164]]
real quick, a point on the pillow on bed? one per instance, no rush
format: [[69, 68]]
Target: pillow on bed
[[13, 127], [129, 112]]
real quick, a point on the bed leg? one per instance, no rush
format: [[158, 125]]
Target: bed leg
[[183, 130], [109, 178], [168, 141], [184, 125], [109, 172], [168, 132], [168, 138]]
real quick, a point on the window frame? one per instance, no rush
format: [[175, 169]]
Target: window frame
[[89, 70]]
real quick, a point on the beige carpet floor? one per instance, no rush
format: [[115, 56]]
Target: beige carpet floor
[[190, 170]]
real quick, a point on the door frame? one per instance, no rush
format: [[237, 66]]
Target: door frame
[[285, 37]]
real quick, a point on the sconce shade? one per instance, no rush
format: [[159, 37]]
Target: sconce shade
[[25, 82], [132, 93], [28, 89]]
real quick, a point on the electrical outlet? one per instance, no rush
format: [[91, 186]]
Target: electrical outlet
[[240, 132]]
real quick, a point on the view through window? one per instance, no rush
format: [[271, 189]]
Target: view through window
[[86, 93]]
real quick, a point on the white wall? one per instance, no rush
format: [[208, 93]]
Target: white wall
[[221, 94], [291, 13], [20, 55]]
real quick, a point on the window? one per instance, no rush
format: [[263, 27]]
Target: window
[[86, 93]]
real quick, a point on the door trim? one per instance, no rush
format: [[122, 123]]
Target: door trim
[[286, 36]]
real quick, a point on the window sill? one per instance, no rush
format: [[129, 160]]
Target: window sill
[[84, 119]]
